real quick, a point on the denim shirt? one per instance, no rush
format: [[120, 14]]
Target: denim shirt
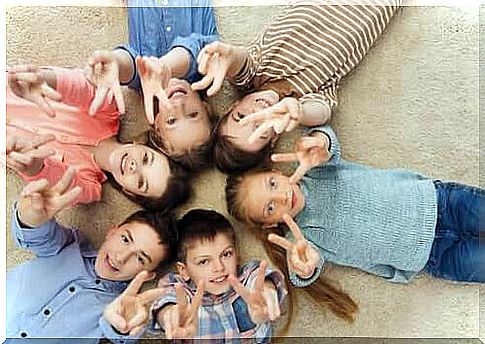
[[162, 25], [58, 294]]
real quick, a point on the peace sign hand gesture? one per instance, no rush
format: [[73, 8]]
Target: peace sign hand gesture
[[128, 313], [181, 320], [262, 301], [40, 202], [102, 71], [310, 151], [283, 116], [154, 77], [302, 258]]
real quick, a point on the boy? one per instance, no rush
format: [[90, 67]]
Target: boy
[[64, 291], [231, 307]]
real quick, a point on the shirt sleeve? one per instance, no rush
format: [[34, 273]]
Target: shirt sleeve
[[334, 144], [319, 98], [114, 336], [390, 273], [168, 297], [46, 240]]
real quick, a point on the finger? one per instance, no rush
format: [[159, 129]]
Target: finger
[[137, 330], [202, 84], [181, 299], [36, 201], [65, 181], [298, 174], [310, 142], [110, 96], [15, 165], [115, 319], [239, 288], [28, 77], [42, 153], [301, 248], [281, 124], [260, 277], [69, 197], [35, 186], [151, 295], [268, 113], [148, 101], [292, 125], [164, 103], [22, 158], [260, 131], [118, 95], [139, 319], [136, 283], [44, 105], [203, 61], [50, 93], [197, 301], [293, 227], [28, 144], [284, 157], [99, 97], [216, 83], [280, 241]]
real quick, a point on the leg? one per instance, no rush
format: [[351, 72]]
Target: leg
[[458, 252]]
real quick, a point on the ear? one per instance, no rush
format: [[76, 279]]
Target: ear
[[150, 275], [182, 271], [110, 232]]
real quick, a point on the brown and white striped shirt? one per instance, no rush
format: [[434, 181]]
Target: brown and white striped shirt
[[311, 46]]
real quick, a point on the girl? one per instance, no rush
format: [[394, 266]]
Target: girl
[[295, 66], [392, 223], [88, 143]]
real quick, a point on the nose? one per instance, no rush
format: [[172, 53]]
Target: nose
[[133, 166], [123, 256], [280, 197], [219, 265]]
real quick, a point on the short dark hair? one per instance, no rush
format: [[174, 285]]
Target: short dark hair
[[201, 224], [229, 158], [164, 224]]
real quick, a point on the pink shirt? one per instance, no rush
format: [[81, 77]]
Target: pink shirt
[[72, 131]]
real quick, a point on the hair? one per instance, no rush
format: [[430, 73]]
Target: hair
[[201, 224], [164, 224], [196, 158], [229, 158], [322, 290]]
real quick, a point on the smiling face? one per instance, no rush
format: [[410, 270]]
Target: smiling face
[[211, 260], [140, 170], [187, 125], [127, 250], [239, 134], [267, 196]]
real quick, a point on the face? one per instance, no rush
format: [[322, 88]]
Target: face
[[127, 250], [140, 170], [239, 134], [187, 126], [268, 196], [211, 261]]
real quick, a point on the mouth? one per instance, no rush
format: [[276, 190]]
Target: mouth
[[110, 264], [177, 92], [123, 163], [264, 102], [293, 199], [220, 279]]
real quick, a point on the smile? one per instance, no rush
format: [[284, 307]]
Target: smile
[[293, 199], [110, 264], [220, 279], [123, 163], [177, 91]]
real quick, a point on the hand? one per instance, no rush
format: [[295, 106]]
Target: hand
[[102, 71], [215, 61], [28, 82], [26, 154], [310, 151], [154, 77], [283, 116], [128, 313], [40, 202], [262, 301], [181, 320], [302, 258]]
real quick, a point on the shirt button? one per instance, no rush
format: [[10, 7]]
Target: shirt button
[[97, 281], [72, 289], [169, 28], [47, 312], [23, 334]]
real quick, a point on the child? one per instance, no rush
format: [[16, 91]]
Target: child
[[63, 292], [175, 32], [392, 223], [73, 138], [295, 66], [207, 264]]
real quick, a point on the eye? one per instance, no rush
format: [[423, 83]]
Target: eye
[[171, 120], [124, 239], [227, 254], [193, 114], [145, 158], [202, 262], [272, 183], [240, 116], [270, 208], [140, 259]]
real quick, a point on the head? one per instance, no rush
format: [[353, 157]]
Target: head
[[148, 177], [187, 127], [262, 197], [207, 249], [144, 241]]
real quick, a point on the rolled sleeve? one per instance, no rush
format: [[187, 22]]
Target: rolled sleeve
[[334, 144]]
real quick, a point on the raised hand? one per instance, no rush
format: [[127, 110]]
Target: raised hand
[[181, 320], [215, 61], [154, 77], [28, 82], [302, 258], [310, 151], [39, 202], [283, 116], [129, 312], [262, 301], [26, 154], [102, 71]]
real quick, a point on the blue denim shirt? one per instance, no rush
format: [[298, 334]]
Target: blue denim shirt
[[58, 294], [165, 24]]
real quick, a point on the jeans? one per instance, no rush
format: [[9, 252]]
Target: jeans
[[458, 251]]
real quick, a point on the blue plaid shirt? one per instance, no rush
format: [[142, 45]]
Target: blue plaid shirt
[[223, 316]]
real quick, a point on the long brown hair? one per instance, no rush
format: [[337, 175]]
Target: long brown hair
[[322, 291]]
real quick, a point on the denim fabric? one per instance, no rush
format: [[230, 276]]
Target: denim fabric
[[458, 251]]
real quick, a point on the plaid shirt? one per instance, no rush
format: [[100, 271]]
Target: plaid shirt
[[224, 317]]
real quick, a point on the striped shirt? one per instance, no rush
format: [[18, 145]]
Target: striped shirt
[[222, 318], [310, 47]]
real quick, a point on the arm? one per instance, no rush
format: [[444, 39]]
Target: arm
[[334, 145], [316, 110]]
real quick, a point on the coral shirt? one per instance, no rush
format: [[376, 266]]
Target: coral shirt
[[72, 130]]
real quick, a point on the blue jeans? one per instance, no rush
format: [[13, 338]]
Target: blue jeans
[[458, 251]]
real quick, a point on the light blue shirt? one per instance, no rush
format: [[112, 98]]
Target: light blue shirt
[[58, 294], [162, 25]]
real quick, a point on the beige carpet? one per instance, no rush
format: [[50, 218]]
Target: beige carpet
[[412, 103]]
